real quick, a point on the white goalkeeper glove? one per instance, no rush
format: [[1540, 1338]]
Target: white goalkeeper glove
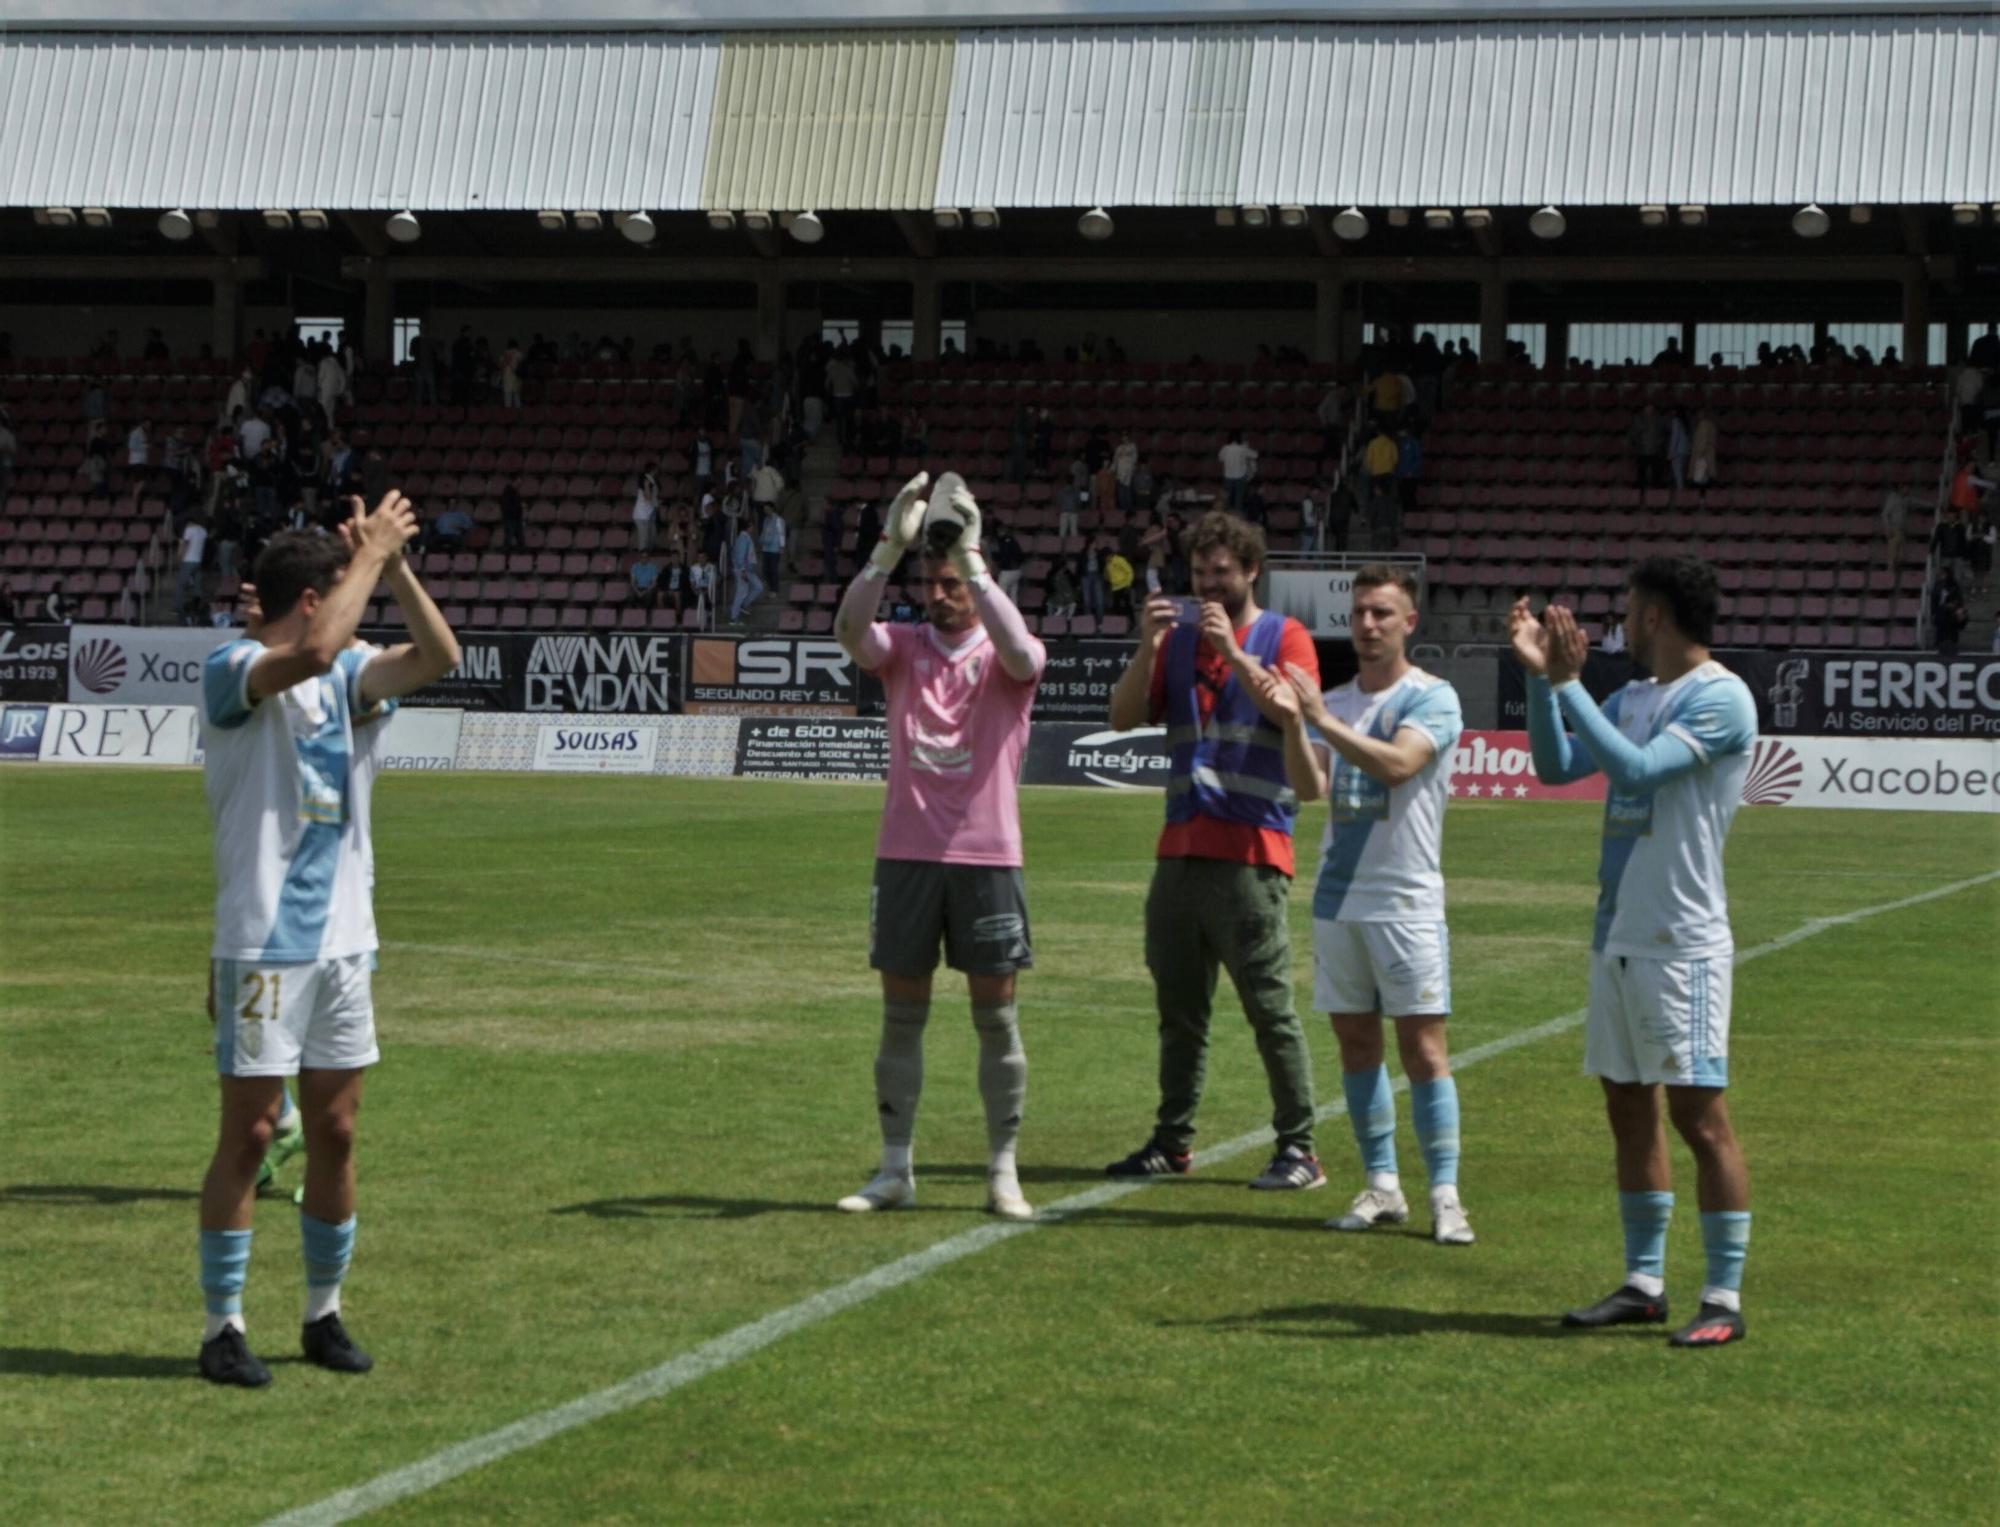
[[952, 528], [902, 525]]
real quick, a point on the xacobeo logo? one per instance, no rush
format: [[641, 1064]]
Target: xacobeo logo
[[99, 666], [1774, 777]]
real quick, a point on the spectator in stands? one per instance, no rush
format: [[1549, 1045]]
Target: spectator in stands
[[1379, 460], [1008, 560], [1385, 398], [1680, 446], [305, 376], [332, 382], [1702, 453], [264, 474], [1671, 355], [1312, 525], [1332, 416], [843, 384], [674, 584], [767, 486], [1970, 389], [1153, 546], [701, 585], [374, 475], [222, 613], [1646, 440], [1045, 440], [513, 519], [645, 578], [832, 531], [1104, 485], [771, 537], [1124, 468], [10, 611], [1895, 520], [645, 507], [1118, 580], [423, 370], [95, 470], [1063, 591], [139, 449], [55, 606], [251, 435], [1409, 469], [1948, 613], [1980, 538], [1090, 577], [510, 374], [451, 528], [1239, 464], [867, 531], [743, 569], [704, 461]]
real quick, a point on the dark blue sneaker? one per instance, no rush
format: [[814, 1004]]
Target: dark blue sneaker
[[1149, 1160]]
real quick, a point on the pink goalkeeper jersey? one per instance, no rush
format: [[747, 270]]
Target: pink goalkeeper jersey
[[957, 728]]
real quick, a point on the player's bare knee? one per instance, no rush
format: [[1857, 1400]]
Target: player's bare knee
[[1359, 1036], [1702, 1119], [1425, 1054], [331, 1134]]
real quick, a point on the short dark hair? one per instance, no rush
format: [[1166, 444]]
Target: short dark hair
[[293, 561], [1689, 589], [1375, 574], [1231, 532]]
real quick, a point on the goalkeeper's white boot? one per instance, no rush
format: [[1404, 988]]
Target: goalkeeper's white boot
[[885, 1190], [1004, 1198], [1449, 1226], [1372, 1207]]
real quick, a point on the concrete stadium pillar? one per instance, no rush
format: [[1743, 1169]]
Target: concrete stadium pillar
[[926, 317], [226, 333], [770, 338], [1492, 318], [1916, 314], [1329, 335], [1688, 340], [378, 316]]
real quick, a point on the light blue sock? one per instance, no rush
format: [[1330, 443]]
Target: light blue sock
[[1646, 1216], [1371, 1109], [1725, 1241], [328, 1249], [1434, 1108], [225, 1263]]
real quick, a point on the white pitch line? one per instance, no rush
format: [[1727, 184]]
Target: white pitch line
[[744, 1341]]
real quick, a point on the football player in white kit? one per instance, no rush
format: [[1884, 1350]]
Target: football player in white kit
[[290, 764], [1379, 942], [1674, 749]]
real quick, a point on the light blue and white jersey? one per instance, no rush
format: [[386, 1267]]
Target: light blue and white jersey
[[1660, 890], [1380, 860], [289, 780]]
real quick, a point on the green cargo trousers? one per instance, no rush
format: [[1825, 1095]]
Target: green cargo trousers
[[1202, 913]]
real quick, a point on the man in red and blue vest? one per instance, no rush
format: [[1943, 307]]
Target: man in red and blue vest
[[1241, 764]]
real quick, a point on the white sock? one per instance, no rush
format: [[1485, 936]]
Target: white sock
[[1646, 1284], [288, 1120], [1385, 1182], [1001, 1169], [217, 1324], [1723, 1298], [322, 1300], [896, 1160]]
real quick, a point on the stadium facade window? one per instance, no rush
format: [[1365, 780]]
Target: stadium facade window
[[840, 331], [328, 329], [1535, 336], [1620, 344], [407, 331]]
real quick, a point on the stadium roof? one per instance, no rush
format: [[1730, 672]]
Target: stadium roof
[[1888, 110]]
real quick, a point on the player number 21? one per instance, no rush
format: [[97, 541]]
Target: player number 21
[[253, 986]]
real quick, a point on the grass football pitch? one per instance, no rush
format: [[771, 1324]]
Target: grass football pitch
[[628, 1031]]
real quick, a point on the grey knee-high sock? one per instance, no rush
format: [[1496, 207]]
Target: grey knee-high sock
[[1003, 1073], [899, 1069]]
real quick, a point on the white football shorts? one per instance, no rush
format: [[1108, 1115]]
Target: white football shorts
[[274, 1020], [1402, 970], [1654, 1020]]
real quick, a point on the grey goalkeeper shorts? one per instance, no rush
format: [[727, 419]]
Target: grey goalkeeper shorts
[[979, 911]]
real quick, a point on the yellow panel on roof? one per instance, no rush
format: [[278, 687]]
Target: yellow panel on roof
[[829, 121]]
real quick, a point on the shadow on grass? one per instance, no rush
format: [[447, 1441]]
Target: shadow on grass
[[78, 1195], [1346, 1322], [956, 1172], [693, 1206], [54, 1362]]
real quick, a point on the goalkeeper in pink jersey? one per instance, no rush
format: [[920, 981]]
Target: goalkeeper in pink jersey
[[948, 861]]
